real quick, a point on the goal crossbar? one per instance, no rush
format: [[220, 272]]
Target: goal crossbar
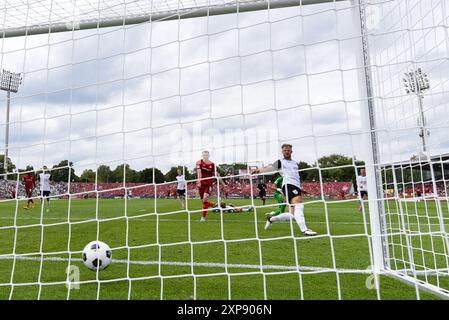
[[156, 16]]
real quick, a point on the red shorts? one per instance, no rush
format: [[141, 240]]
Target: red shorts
[[204, 188], [28, 191]]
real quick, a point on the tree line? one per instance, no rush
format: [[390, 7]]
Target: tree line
[[334, 167]]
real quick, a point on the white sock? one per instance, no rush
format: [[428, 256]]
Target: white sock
[[286, 216], [299, 217]]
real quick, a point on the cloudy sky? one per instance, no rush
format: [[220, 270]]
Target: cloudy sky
[[237, 84]]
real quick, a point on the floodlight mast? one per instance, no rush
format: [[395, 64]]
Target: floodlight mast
[[416, 82], [10, 82]]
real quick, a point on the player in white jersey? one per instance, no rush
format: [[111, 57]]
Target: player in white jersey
[[291, 187], [362, 187], [181, 188], [44, 186]]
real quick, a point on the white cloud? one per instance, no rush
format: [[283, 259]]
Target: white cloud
[[153, 94]]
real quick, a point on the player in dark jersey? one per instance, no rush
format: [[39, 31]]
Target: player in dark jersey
[[262, 191], [30, 183]]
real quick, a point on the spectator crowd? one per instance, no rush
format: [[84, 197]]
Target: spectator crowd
[[232, 189]]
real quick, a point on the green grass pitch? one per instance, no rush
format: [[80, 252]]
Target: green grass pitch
[[162, 246]]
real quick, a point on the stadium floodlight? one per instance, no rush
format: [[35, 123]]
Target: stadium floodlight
[[416, 82], [10, 82]]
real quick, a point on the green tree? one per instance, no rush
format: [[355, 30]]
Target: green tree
[[342, 167], [131, 175], [146, 176], [307, 172], [404, 174], [60, 172], [88, 175], [10, 165], [121, 170], [105, 174]]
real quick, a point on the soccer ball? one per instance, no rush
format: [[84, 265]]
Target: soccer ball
[[97, 255]]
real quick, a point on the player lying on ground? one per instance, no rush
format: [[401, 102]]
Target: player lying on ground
[[29, 183], [291, 187], [230, 208]]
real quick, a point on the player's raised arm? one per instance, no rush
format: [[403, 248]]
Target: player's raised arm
[[265, 169], [268, 168]]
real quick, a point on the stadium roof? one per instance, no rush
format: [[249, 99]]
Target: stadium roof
[[440, 164]]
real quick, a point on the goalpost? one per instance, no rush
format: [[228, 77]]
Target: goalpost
[[151, 84]]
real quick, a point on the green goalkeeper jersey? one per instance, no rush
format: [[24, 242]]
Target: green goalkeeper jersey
[[278, 183], [278, 195]]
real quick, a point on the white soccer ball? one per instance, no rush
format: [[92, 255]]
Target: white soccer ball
[[97, 255]]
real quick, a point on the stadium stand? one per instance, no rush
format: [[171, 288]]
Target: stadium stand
[[233, 189]]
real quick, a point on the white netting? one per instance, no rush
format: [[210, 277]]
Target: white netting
[[148, 97], [410, 37]]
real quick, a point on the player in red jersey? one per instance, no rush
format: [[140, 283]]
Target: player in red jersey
[[205, 170], [30, 183]]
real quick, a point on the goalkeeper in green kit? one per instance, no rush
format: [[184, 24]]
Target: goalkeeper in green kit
[[279, 196]]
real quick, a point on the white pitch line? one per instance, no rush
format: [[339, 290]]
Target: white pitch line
[[181, 264], [184, 220], [440, 272]]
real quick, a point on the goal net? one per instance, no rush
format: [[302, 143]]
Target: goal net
[[408, 49], [119, 99]]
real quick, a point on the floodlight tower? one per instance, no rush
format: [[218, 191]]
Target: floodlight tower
[[10, 82], [416, 82]]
